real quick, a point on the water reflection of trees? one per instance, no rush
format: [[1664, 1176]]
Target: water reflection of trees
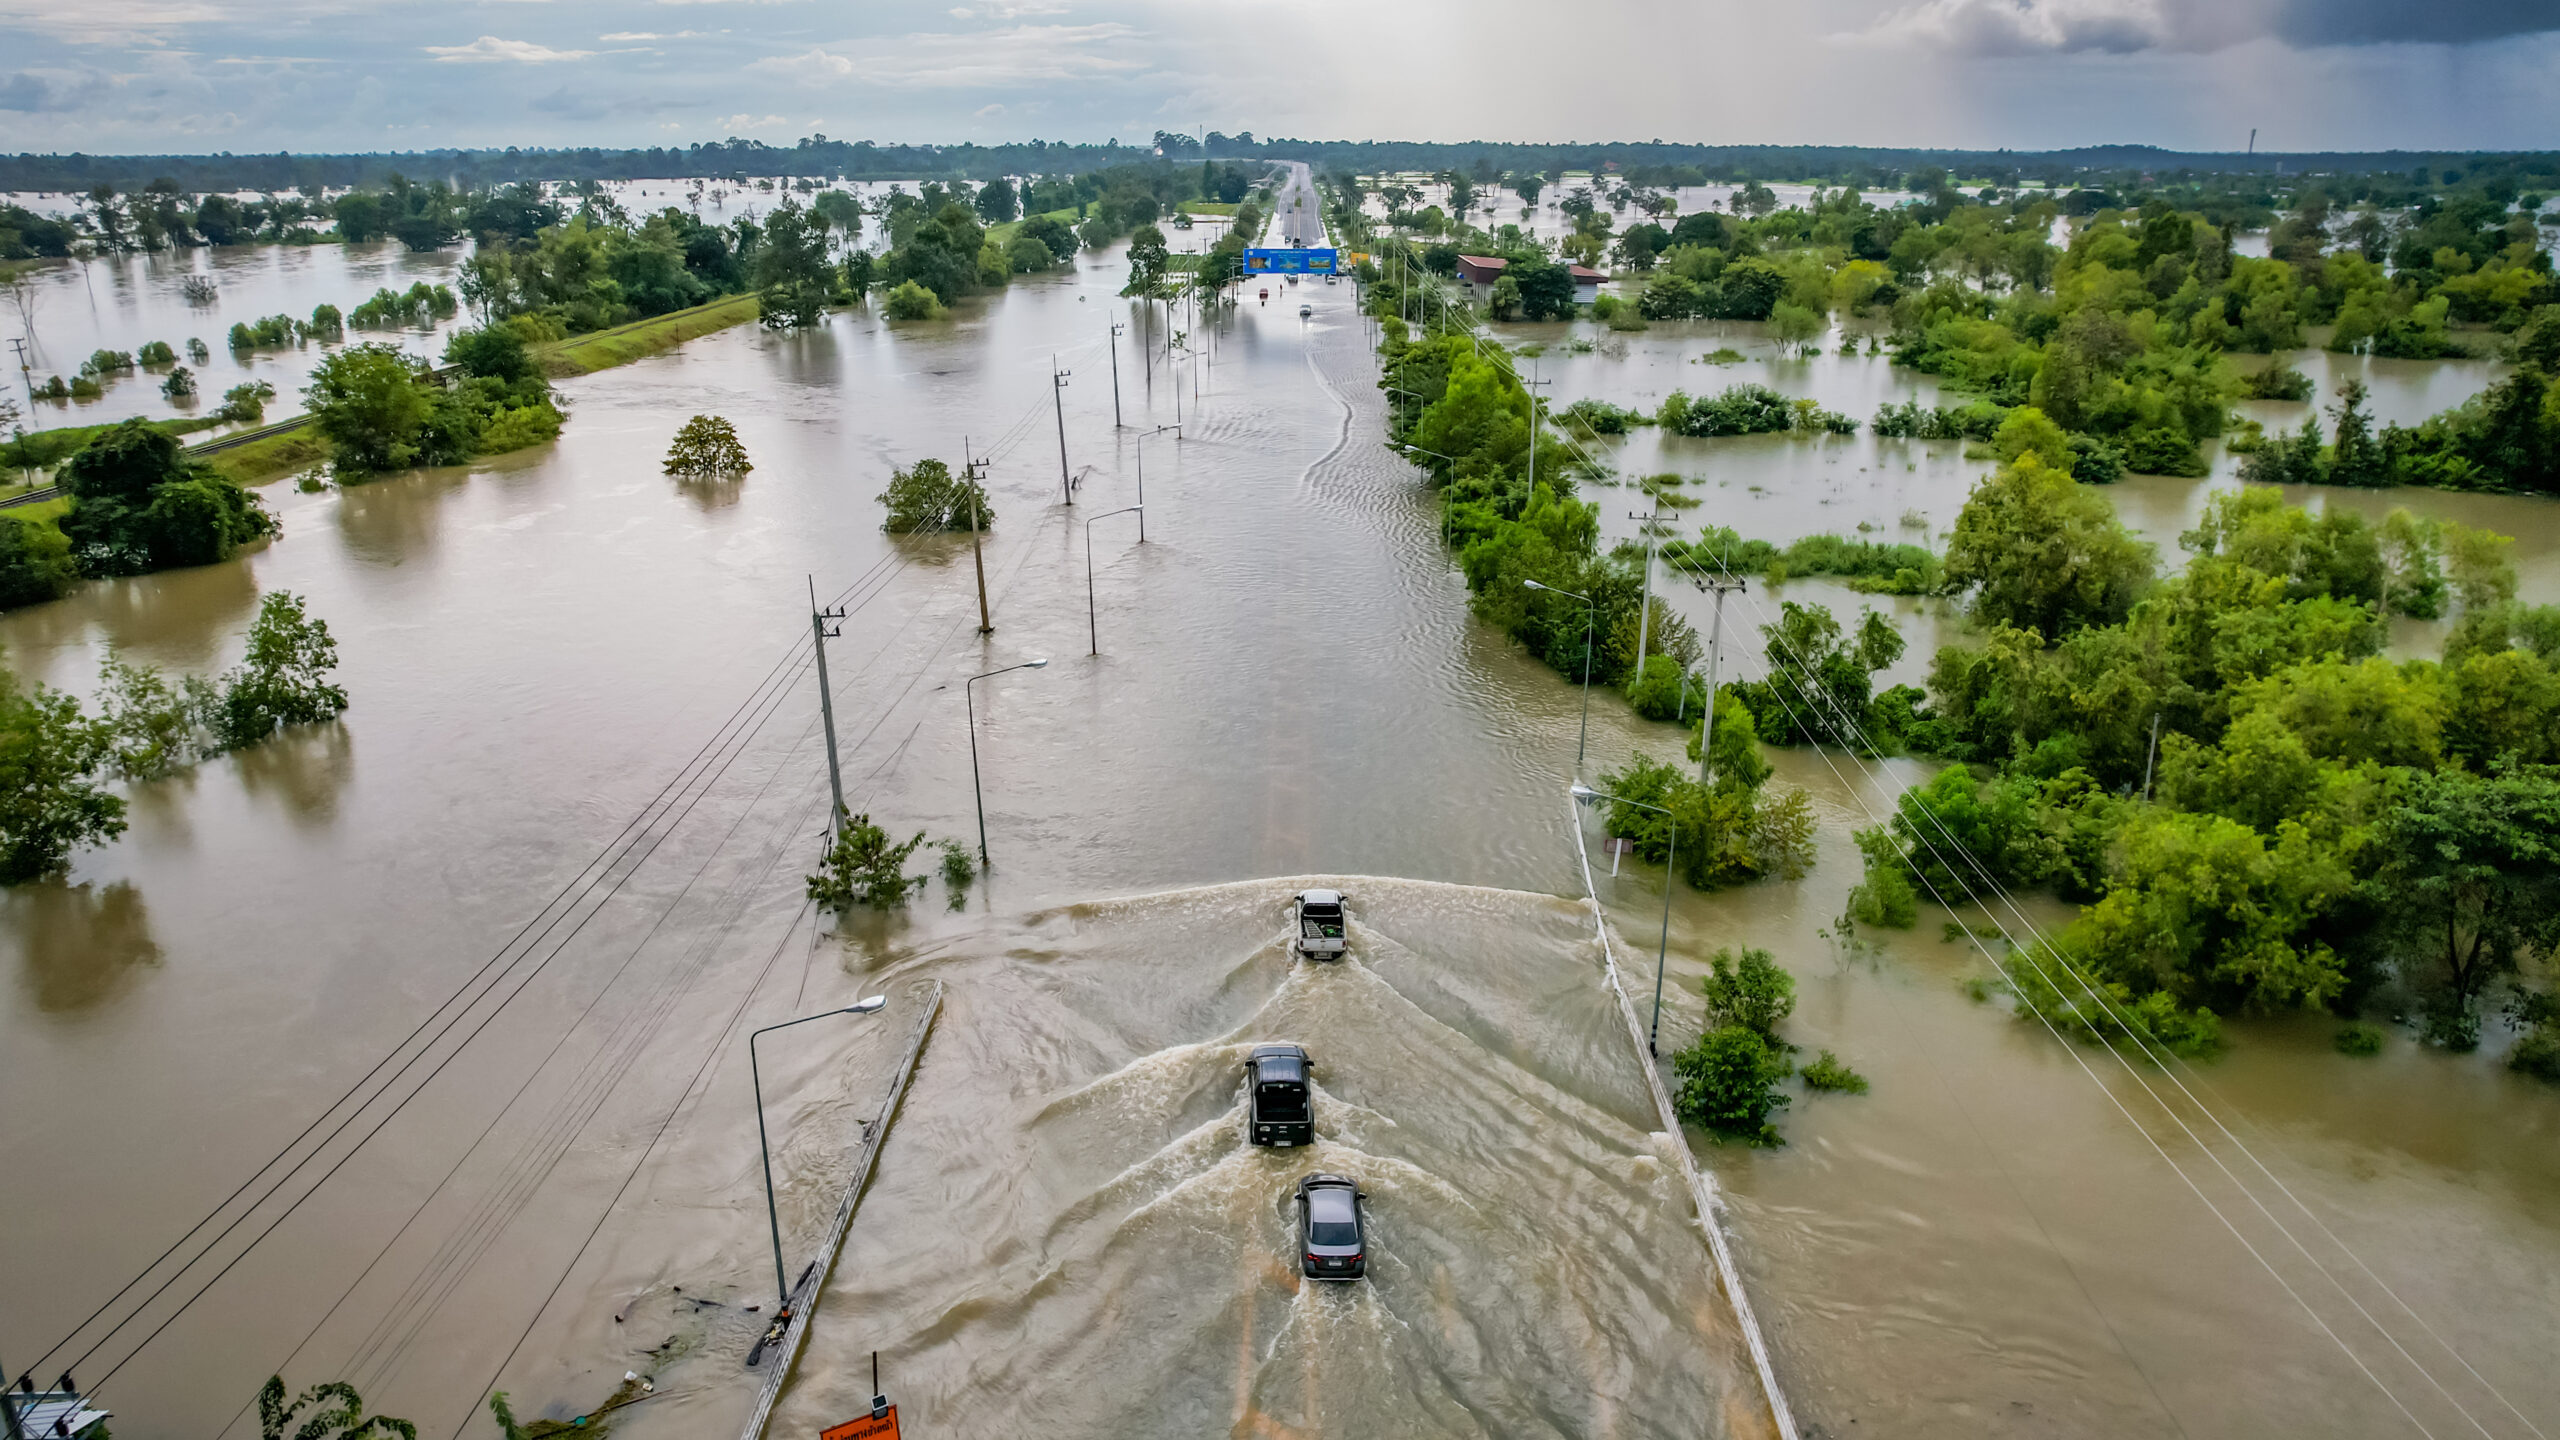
[[79, 946], [303, 769], [712, 492], [176, 617], [395, 521]]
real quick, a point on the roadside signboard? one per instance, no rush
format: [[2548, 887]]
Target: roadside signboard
[[1291, 262], [883, 1426]]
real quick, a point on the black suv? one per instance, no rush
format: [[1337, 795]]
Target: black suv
[[1330, 1237], [1279, 1100]]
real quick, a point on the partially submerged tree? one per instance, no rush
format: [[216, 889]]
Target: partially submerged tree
[[707, 446], [927, 496], [864, 867]]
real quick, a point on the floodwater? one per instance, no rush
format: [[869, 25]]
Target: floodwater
[[565, 775]]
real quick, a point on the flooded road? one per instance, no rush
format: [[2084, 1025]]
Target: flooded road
[[1063, 1231]]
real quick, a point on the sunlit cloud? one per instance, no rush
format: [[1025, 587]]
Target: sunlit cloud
[[490, 49], [992, 59]]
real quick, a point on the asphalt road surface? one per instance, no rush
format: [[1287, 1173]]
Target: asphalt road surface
[[1301, 213]]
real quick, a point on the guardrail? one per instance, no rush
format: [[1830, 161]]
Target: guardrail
[[33, 497]]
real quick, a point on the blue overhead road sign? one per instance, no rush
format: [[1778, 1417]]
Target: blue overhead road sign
[[1290, 262]]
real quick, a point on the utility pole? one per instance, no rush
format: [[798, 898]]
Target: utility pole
[[1644, 611], [1534, 386], [975, 469], [1116, 328], [26, 377], [818, 619], [1720, 586], [1058, 398]]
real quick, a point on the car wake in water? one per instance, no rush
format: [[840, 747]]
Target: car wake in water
[[1071, 1235]]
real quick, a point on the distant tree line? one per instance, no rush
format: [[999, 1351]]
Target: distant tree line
[[821, 157]]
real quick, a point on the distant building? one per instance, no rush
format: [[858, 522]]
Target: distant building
[[1474, 270], [1586, 284]]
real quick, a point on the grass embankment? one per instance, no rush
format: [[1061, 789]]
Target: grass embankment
[[44, 449], [1206, 207], [604, 349], [282, 453], [1002, 234]]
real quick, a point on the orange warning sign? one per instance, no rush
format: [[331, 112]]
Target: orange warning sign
[[867, 1427]]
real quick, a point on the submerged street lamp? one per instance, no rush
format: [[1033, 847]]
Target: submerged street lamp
[[773, 1217], [1584, 795], [1093, 632], [1590, 617], [970, 696]]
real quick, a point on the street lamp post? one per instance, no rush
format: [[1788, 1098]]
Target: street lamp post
[[1661, 956], [1142, 474], [970, 697], [772, 1215], [1093, 631], [1590, 618]]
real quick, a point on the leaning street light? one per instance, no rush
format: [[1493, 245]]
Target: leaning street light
[[1093, 633], [1584, 795], [773, 1217], [1590, 617], [970, 697]]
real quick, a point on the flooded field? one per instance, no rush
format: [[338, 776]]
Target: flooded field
[[1064, 1231]]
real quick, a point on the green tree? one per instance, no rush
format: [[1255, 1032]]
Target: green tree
[[2470, 877], [1748, 990], [911, 301], [2036, 551], [863, 867], [1546, 289], [138, 504], [336, 1412], [366, 400], [283, 680], [35, 562], [996, 202], [927, 496], [793, 275], [1506, 298], [1728, 1083], [1148, 259], [50, 801], [707, 445]]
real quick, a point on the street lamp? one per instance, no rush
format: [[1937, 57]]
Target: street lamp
[[1142, 473], [970, 697], [1584, 794], [1092, 633], [773, 1217], [1590, 618]]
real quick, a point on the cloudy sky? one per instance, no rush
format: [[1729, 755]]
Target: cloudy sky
[[204, 75]]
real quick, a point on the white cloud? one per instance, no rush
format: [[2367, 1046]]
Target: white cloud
[[627, 36], [1016, 56], [986, 111], [739, 123], [489, 48]]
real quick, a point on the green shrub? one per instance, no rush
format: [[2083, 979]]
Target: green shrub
[[1749, 990], [927, 496], [911, 301], [2356, 1037], [1827, 1073], [1728, 1082], [2537, 1053], [864, 868]]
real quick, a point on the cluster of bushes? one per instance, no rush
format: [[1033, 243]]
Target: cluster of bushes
[[421, 304], [1748, 410], [2258, 810], [1728, 1077], [1869, 565], [379, 411], [56, 757], [137, 504]]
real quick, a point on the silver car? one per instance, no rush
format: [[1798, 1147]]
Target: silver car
[[1323, 924], [1332, 1241]]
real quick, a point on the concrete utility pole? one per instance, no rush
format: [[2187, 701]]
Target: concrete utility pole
[[1058, 397], [1116, 328], [1533, 386], [976, 471], [1644, 611], [1720, 587], [818, 619]]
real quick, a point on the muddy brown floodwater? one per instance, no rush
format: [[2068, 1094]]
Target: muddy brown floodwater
[[562, 657]]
